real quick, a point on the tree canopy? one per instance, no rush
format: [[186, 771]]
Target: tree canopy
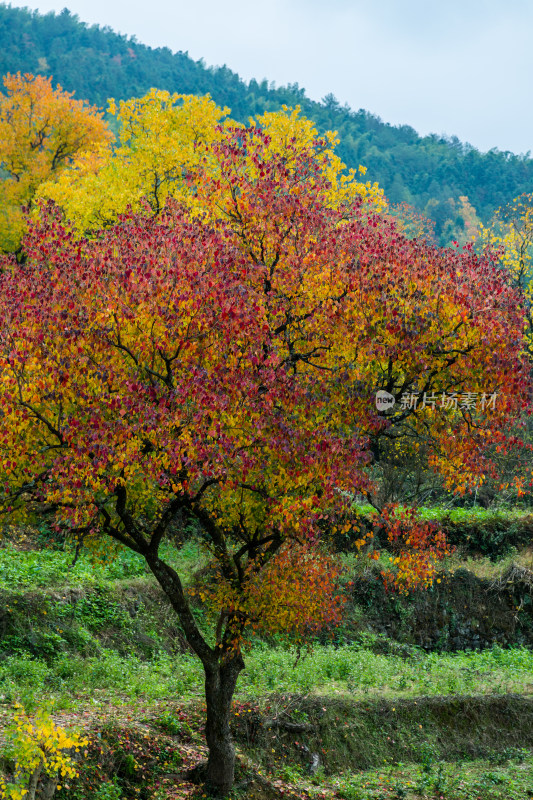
[[41, 130], [219, 361], [163, 140], [510, 234]]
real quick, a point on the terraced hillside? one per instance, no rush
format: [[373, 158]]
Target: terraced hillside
[[361, 715]]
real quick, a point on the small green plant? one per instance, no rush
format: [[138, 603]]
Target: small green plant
[[99, 610], [500, 757], [349, 788], [175, 725], [427, 758], [400, 792], [439, 780], [108, 790], [292, 773]]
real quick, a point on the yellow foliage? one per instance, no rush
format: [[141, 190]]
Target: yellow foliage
[[511, 234], [39, 744], [163, 139], [287, 128], [157, 146], [41, 130]]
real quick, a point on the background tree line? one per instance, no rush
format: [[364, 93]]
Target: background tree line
[[452, 182]]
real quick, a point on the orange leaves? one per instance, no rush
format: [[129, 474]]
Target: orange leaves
[[295, 593], [41, 130], [416, 546]]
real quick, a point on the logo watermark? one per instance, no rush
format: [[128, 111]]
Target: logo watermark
[[467, 401], [384, 400]]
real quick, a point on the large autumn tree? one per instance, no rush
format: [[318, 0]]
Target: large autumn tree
[[41, 130], [222, 365]]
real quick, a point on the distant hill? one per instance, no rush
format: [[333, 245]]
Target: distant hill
[[431, 173]]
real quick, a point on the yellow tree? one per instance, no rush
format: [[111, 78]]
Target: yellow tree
[[511, 232], [41, 130], [43, 753], [164, 138], [290, 135], [157, 139]]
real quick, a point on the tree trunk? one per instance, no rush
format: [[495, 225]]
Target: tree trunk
[[222, 666], [34, 781], [220, 682]]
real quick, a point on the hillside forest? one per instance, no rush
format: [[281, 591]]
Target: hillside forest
[[448, 181]]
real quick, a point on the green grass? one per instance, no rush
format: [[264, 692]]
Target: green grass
[[458, 514], [348, 670], [473, 513], [47, 568], [505, 776], [96, 639], [495, 533], [52, 568], [361, 673], [108, 673]]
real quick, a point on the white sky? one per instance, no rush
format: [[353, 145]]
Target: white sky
[[460, 67]]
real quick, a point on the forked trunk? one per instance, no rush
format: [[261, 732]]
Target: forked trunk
[[220, 682]]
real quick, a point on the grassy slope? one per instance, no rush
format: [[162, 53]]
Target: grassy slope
[[97, 641]]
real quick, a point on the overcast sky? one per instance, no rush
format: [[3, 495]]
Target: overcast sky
[[460, 67]]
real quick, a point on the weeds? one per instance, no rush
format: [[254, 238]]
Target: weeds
[[329, 670], [470, 780]]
